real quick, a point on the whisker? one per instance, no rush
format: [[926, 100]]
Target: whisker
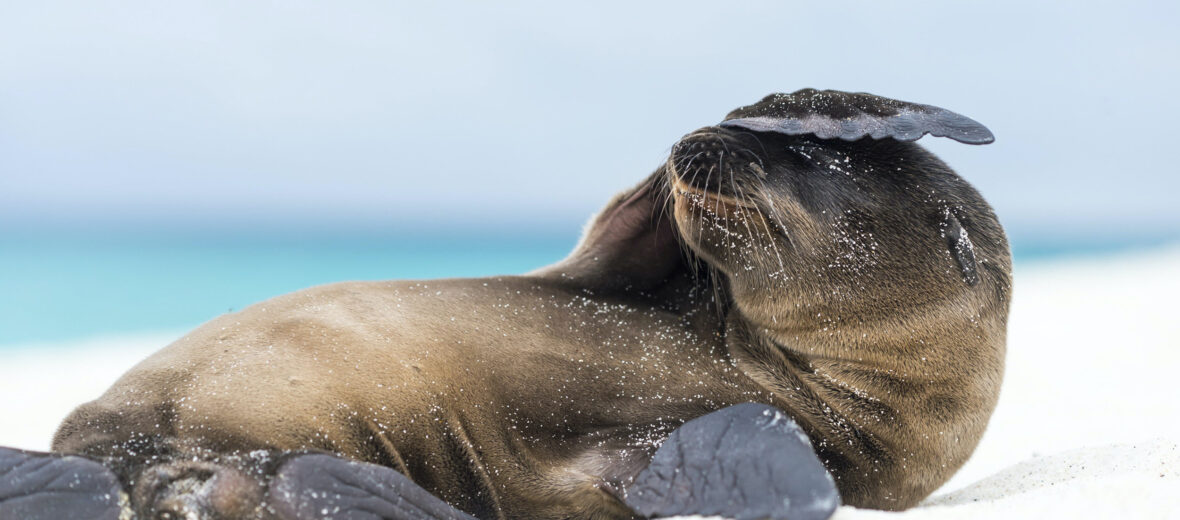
[[770, 234], [756, 138]]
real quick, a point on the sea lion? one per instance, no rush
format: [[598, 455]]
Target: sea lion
[[804, 255]]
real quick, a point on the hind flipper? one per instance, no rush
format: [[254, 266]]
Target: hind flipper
[[318, 486], [748, 461], [45, 486]]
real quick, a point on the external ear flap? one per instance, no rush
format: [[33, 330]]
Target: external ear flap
[[961, 248], [630, 244], [829, 114]]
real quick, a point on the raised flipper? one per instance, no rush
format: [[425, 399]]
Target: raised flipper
[[830, 114], [317, 486], [45, 486], [745, 462]]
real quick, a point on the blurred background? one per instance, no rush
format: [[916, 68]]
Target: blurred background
[[165, 162]]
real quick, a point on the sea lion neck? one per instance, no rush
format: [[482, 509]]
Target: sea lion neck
[[697, 295]]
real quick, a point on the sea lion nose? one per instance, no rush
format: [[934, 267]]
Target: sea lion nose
[[703, 139], [713, 143]]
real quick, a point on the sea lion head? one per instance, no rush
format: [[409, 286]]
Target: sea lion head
[[867, 284], [809, 231]]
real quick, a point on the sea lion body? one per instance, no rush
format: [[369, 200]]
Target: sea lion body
[[507, 395], [856, 284]]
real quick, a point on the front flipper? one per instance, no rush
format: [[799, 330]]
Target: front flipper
[[44, 486], [830, 114], [745, 462], [317, 486]]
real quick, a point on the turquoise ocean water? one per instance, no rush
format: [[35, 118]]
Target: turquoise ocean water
[[59, 286]]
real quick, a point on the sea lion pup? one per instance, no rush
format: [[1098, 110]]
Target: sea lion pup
[[804, 255]]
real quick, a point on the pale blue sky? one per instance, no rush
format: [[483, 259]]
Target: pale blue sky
[[430, 112]]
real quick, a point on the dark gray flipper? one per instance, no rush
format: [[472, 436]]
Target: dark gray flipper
[[745, 462], [829, 114], [44, 486], [317, 486]]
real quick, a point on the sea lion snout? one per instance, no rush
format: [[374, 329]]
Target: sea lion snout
[[712, 158]]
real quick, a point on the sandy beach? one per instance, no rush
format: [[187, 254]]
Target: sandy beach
[[1088, 423]]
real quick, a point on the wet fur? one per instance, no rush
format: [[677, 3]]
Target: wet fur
[[813, 275]]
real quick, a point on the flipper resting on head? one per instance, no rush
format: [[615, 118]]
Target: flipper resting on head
[[829, 114]]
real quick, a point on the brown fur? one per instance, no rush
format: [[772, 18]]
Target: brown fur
[[830, 295]]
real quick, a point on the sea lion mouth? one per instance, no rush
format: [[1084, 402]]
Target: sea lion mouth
[[707, 198], [716, 169]]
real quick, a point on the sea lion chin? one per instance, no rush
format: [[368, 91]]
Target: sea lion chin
[[801, 285]]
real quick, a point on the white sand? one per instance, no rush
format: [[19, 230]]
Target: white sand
[[1088, 424], [41, 383]]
